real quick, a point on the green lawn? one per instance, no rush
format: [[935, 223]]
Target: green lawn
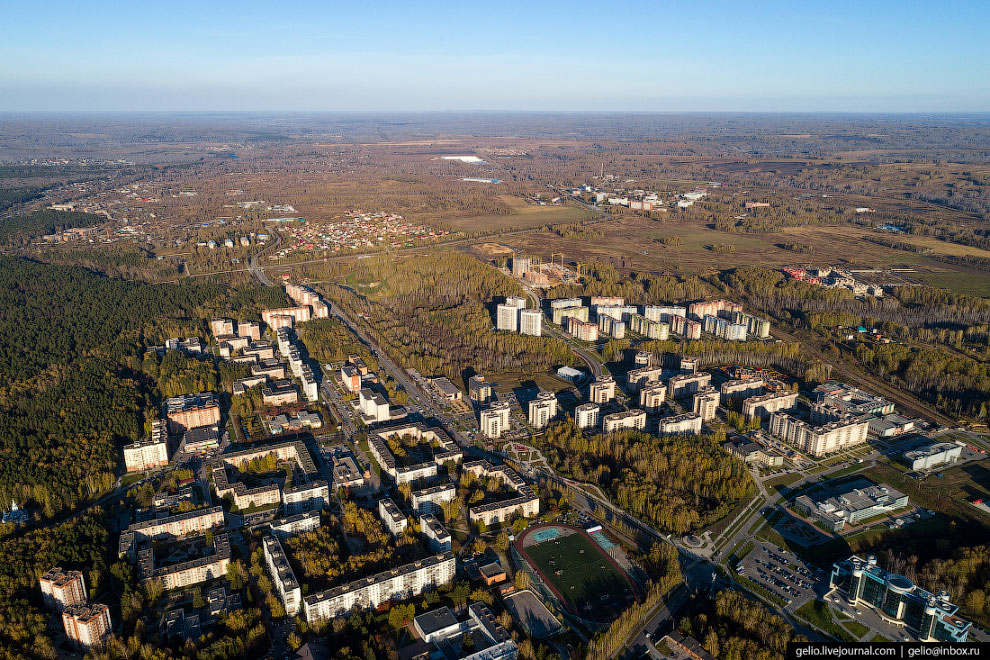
[[818, 615], [856, 628], [579, 570], [963, 283]]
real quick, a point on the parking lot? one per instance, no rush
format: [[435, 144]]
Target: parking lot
[[783, 574]]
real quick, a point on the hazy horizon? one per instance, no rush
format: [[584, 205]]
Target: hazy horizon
[[875, 57]]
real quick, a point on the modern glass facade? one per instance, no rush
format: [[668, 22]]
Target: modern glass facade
[[929, 616]]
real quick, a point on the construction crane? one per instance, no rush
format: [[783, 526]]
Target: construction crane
[[557, 254]]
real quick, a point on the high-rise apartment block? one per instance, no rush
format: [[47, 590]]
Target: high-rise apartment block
[[191, 411], [602, 390], [705, 403], [687, 328], [652, 396], [586, 415], [530, 322], [507, 318], [685, 385], [86, 626], [686, 424], [495, 420], [61, 589], [542, 409], [480, 390], [819, 440], [627, 419], [764, 405], [150, 452]]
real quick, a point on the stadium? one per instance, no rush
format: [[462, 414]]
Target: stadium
[[574, 569]]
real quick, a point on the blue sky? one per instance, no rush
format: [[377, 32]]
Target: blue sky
[[282, 55]]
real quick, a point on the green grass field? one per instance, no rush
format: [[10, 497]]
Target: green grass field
[[964, 283], [585, 575]]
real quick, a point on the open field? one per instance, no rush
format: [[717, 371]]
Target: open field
[[944, 247], [580, 572], [632, 242], [523, 216], [965, 283]]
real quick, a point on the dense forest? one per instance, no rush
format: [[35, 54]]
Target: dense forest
[[40, 223], [434, 313], [74, 380], [676, 484], [737, 628]]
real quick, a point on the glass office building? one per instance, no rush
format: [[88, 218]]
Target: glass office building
[[896, 599]]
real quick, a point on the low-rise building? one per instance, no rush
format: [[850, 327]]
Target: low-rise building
[[932, 456], [751, 452], [929, 616], [852, 506], [445, 635]]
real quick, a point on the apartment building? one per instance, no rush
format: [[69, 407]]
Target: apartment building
[[283, 578], [715, 308], [582, 330], [602, 390], [191, 411], [150, 452], [351, 378], [61, 589], [819, 440], [647, 328], [542, 410], [272, 369], [495, 420], [742, 388], [558, 314], [307, 496], [526, 503], [664, 313], [300, 523], [401, 474], [587, 415], [171, 527], [437, 537], [221, 327], [480, 390], [627, 419], [397, 584], [374, 407], [87, 626], [652, 396], [280, 393], [639, 378], [249, 329], [724, 329], [686, 424], [687, 328], [609, 326], [432, 499], [507, 318], [684, 385], [530, 322], [393, 519], [705, 403], [299, 314], [764, 405], [186, 573]]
